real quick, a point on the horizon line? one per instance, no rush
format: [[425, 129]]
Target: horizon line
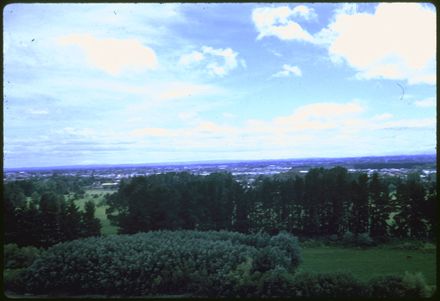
[[213, 161]]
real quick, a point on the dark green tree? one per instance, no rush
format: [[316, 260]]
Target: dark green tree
[[379, 207], [50, 228], [359, 212], [91, 225], [70, 221]]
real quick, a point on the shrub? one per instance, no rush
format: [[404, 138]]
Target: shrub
[[348, 238], [393, 286], [328, 285], [429, 247], [12, 279], [312, 243], [275, 283], [387, 287], [364, 240], [408, 245], [415, 285], [15, 257], [290, 245], [160, 262]]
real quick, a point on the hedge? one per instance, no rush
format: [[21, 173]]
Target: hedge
[[160, 262]]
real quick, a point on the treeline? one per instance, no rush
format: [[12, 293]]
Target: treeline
[[324, 202], [36, 212]]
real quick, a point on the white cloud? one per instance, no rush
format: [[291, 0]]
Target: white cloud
[[152, 132], [397, 41], [38, 112], [113, 55], [217, 61], [304, 12], [408, 124], [288, 70], [426, 103], [278, 22], [180, 90], [190, 58], [383, 116]]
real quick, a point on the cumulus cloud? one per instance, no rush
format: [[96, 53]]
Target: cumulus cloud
[[279, 22], [298, 134], [190, 58], [426, 103], [397, 41], [216, 61], [288, 70], [113, 55]]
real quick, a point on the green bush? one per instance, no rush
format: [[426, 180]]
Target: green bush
[[161, 262], [268, 258], [408, 245], [275, 283], [364, 240], [393, 286], [348, 238], [328, 285], [12, 279], [290, 245], [16, 257]]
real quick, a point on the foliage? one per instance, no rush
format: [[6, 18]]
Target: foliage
[[13, 279], [329, 285], [48, 220], [393, 286], [324, 202], [159, 262], [15, 257]]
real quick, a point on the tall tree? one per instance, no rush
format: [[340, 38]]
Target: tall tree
[[359, 212], [50, 228], [91, 225], [70, 221], [379, 207]]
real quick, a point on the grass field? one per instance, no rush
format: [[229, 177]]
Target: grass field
[[106, 228], [369, 263]]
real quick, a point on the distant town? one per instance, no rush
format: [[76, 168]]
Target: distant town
[[109, 176]]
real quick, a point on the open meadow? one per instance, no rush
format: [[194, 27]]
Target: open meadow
[[97, 196], [367, 263]]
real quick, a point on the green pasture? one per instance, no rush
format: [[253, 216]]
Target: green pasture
[[106, 228], [368, 263]]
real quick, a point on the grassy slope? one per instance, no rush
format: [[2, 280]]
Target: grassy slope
[[369, 263], [106, 228]]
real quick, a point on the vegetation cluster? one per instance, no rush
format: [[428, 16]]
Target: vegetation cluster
[[36, 212], [353, 208], [194, 263], [213, 236]]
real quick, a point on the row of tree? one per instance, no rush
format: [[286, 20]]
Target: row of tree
[[46, 221], [324, 202]]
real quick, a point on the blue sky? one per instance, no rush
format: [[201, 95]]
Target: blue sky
[[140, 83]]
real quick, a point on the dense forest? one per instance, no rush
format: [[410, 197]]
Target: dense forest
[[324, 202]]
